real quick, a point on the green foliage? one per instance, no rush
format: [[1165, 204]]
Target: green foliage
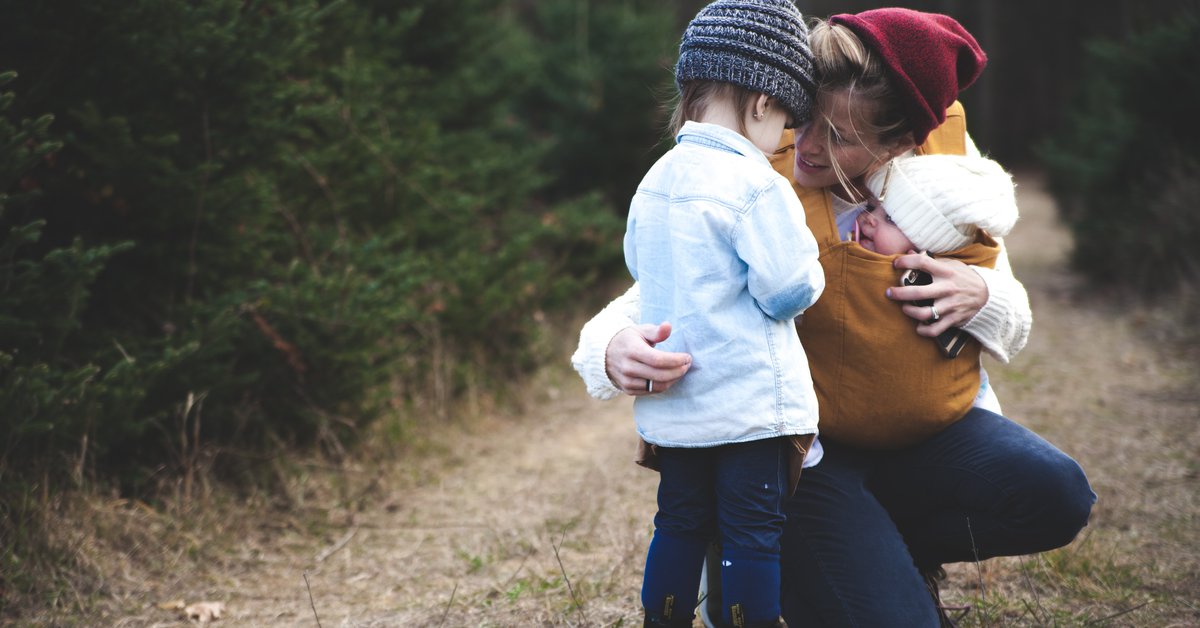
[[246, 223], [1124, 166], [601, 88], [42, 390]]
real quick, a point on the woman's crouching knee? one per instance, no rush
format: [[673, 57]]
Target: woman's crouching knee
[[1066, 499]]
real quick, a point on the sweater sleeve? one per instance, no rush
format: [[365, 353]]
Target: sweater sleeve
[[589, 357], [1002, 325]]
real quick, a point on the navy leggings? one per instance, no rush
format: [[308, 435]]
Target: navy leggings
[[863, 524], [737, 491]]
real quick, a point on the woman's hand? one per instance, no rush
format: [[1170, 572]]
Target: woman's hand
[[958, 293], [633, 363]]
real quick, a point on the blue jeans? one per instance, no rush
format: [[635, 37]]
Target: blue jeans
[[864, 524], [736, 491]]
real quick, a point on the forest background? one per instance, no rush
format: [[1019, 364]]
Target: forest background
[[236, 231]]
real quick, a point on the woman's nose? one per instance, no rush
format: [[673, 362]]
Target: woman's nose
[[805, 143]]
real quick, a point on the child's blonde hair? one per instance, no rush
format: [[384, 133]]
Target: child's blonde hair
[[695, 97]]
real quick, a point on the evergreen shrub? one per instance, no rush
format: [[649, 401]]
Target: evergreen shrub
[[230, 224], [1124, 166]]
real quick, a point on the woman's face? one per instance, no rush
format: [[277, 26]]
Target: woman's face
[[836, 135]]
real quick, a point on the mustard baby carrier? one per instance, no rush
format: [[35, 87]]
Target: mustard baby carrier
[[879, 384]]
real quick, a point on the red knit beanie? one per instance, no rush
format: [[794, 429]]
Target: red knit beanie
[[930, 56]]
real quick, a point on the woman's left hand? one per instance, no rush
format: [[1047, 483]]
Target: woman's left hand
[[958, 293]]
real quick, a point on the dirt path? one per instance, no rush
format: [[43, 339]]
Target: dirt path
[[482, 545], [544, 521]]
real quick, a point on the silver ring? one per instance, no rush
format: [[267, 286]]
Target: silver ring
[[934, 317], [649, 385]]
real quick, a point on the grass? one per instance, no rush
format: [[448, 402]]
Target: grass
[[114, 559]]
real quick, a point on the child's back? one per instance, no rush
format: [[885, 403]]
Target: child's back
[[717, 241]]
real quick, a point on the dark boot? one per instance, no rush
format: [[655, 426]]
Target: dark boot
[[669, 616], [739, 622]]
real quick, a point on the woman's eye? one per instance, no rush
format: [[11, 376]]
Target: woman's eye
[[888, 218]]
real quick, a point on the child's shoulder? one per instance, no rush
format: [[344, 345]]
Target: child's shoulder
[[726, 174]]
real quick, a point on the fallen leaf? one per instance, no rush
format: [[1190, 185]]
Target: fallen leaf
[[173, 605], [205, 612]]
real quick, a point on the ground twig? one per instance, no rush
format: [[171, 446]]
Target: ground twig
[[574, 598], [446, 612], [332, 549], [978, 566], [1097, 622], [1037, 599], [310, 600]]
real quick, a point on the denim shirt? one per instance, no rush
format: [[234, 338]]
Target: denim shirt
[[718, 244]]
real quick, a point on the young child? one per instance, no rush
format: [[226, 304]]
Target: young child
[[718, 244], [949, 206]]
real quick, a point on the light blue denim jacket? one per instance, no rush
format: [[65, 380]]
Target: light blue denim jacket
[[717, 241]]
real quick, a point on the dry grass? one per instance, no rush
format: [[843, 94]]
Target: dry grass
[[536, 516]]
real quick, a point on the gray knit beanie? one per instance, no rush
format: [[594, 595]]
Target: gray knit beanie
[[761, 45]]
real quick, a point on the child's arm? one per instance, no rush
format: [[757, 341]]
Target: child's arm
[[784, 276]]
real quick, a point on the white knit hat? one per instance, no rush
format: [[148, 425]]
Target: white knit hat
[[939, 201]]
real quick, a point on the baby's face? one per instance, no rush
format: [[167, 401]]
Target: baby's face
[[877, 232]]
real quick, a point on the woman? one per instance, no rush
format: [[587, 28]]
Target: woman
[[868, 530]]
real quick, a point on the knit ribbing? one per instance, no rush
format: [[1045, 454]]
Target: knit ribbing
[[930, 58], [759, 45], [941, 201]]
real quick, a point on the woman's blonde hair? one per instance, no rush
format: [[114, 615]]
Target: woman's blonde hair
[[844, 63]]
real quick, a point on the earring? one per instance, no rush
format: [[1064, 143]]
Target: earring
[[759, 116]]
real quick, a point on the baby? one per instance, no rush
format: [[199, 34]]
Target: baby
[[951, 207], [935, 204]]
